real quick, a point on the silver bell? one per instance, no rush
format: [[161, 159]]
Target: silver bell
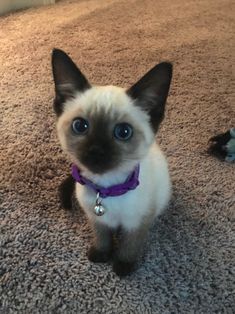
[[99, 210]]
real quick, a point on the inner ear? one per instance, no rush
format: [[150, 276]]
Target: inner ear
[[68, 79], [151, 91]]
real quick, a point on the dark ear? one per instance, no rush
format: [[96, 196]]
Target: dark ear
[[67, 77], [151, 91]]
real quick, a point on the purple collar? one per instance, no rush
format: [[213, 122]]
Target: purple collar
[[130, 184]]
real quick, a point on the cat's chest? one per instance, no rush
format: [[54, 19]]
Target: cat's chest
[[126, 210]]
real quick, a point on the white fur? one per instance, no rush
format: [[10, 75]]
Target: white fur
[[128, 210]]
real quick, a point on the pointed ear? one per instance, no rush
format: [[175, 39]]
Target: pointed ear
[[151, 91], [68, 79]]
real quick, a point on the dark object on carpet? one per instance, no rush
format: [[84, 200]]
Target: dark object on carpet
[[223, 145]]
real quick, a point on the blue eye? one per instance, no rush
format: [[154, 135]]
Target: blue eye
[[123, 131], [80, 126]]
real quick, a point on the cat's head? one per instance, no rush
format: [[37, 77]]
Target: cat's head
[[104, 128]]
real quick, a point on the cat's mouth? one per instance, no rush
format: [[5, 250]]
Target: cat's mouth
[[98, 163], [98, 167]]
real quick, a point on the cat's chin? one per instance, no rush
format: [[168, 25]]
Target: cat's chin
[[94, 171], [98, 171]]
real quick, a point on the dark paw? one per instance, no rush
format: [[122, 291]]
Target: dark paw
[[97, 256], [66, 190], [123, 268]]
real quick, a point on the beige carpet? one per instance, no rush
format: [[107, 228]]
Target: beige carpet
[[189, 263]]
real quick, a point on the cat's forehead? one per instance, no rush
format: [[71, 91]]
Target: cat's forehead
[[107, 96], [110, 100]]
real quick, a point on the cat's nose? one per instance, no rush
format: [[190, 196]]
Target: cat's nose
[[97, 151], [97, 158]]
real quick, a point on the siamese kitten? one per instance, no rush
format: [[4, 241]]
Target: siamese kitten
[[109, 134]]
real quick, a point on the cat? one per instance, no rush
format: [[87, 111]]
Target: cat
[[109, 134]]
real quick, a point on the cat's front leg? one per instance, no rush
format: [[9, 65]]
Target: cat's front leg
[[101, 249], [65, 191], [130, 248]]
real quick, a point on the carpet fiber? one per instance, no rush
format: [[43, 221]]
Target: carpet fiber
[[189, 262]]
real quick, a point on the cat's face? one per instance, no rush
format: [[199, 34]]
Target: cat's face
[[107, 128], [103, 130]]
